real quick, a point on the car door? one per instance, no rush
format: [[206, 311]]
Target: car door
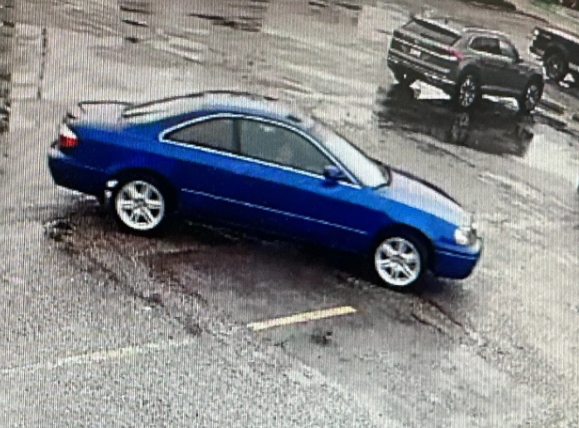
[[490, 62], [206, 168], [283, 181]]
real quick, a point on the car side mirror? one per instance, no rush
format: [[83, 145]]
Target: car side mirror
[[333, 174]]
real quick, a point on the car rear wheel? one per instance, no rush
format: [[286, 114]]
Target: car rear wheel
[[556, 67], [468, 91], [400, 261], [140, 205], [531, 96]]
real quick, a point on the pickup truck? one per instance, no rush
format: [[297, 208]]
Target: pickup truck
[[558, 50]]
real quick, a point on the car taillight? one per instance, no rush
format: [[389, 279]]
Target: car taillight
[[456, 53], [66, 138]]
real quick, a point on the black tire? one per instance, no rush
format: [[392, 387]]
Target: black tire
[[556, 66], [414, 244], [467, 92], [531, 96], [152, 197], [403, 78]]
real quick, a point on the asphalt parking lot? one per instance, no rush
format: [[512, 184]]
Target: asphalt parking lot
[[118, 318]]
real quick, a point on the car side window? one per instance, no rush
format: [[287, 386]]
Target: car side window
[[213, 133], [276, 144], [486, 44], [508, 50]]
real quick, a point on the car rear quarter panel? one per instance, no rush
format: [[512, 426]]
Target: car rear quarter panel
[[114, 150]]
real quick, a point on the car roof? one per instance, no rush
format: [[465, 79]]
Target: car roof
[[458, 25], [220, 101]]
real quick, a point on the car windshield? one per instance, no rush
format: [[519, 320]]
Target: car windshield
[[366, 170]]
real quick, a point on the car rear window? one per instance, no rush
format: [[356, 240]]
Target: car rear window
[[432, 32]]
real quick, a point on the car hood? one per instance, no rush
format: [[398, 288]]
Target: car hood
[[410, 190]]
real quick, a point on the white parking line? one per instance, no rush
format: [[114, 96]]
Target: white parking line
[[301, 318], [95, 357]]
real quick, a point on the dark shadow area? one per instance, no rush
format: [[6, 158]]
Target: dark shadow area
[[492, 128], [253, 257]]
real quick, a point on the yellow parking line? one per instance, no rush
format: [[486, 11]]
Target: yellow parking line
[[300, 318]]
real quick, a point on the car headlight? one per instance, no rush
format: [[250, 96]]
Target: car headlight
[[467, 233], [462, 236]]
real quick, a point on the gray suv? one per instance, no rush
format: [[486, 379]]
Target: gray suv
[[464, 61]]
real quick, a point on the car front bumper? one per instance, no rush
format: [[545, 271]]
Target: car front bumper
[[457, 265]]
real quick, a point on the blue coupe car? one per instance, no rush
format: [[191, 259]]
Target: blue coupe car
[[254, 162]]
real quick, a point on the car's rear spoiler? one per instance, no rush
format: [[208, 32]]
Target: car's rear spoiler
[[79, 110]]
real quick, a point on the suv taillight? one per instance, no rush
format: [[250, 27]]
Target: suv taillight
[[456, 53], [67, 139]]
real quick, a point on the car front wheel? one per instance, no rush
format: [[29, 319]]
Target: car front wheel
[[140, 206], [400, 261]]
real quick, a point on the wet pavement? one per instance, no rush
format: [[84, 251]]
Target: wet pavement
[[473, 353]]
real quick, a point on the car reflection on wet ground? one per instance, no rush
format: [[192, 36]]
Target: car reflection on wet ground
[[492, 128]]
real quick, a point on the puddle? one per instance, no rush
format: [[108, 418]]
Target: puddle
[[494, 128], [554, 152]]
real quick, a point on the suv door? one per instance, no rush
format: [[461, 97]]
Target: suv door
[[490, 61], [513, 73]]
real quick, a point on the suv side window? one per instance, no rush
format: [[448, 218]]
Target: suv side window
[[276, 144], [508, 50], [213, 133], [486, 44]]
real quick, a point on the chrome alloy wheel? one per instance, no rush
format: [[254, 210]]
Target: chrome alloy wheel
[[467, 92], [398, 262], [140, 205]]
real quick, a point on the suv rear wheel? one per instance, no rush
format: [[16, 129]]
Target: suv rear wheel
[[531, 95], [467, 91], [403, 78], [556, 66]]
